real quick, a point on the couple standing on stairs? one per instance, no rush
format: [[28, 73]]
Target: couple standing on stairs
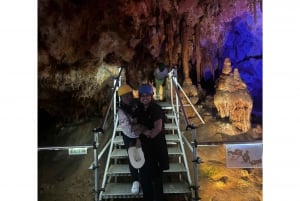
[[142, 123]]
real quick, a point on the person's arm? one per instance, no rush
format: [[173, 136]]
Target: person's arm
[[125, 124], [156, 130]]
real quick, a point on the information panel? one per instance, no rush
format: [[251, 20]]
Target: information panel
[[244, 155]]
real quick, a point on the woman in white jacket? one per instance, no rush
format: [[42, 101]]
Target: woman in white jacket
[[130, 130]]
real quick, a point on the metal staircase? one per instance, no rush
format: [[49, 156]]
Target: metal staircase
[[117, 181]]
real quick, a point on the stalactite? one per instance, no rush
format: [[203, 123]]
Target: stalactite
[[198, 53], [185, 50], [255, 15], [176, 51], [210, 65], [252, 8], [170, 40], [204, 61], [260, 5]]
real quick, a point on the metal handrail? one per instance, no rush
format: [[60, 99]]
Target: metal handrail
[[108, 157], [96, 132], [183, 149], [101, 153], [112, 100], [217, 143], [190, 103], [196, 159], [117, 83], [187, 143], [64, 147], [172, 75]]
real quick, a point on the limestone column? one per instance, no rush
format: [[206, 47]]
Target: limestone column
[[188, 87], [185, 52]]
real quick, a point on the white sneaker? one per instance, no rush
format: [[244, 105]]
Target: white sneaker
[[135, 187]]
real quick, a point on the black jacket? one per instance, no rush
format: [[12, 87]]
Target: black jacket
[[155, 149]]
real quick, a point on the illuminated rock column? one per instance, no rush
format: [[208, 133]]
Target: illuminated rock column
[[188, 87]]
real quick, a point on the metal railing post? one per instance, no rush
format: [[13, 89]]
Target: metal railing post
[[196, 161], [117, 84], [96, 165], [174, 77]]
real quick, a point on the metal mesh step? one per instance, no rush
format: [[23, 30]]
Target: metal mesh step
[[169, 137], [165, 105], [123, 169], [170, 116], [122, 153], [122, 190], [168, 126], [118, 140], [172, 137]]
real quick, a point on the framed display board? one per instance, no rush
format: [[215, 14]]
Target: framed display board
[[244, 155]]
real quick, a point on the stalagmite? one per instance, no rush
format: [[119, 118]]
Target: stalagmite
[[232, 98]]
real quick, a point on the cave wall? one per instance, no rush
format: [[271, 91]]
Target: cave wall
[[81, 44]]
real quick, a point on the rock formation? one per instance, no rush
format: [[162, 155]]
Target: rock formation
[[81, 44], [232, 98]]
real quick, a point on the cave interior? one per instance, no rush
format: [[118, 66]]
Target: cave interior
[[82, 44]]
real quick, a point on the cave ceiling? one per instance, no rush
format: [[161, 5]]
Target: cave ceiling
[[81, 44]]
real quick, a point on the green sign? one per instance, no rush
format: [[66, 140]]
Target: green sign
[[77, 151]]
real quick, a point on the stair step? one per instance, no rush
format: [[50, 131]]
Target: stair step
[[169, 137], [118, 169], [172, 137], [168, 126], [123, 169], [170, 116], [176, 167], [119, 190], [118, 140], [165, 105], [122, 153], [123, 190], [118, 129]]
